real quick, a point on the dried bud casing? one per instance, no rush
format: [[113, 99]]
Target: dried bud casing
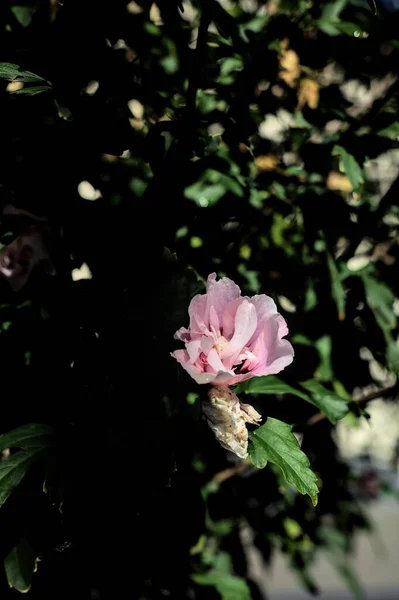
[[227, 418]]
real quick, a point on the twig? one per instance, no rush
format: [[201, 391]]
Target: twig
[[362, 400], [231, 472]]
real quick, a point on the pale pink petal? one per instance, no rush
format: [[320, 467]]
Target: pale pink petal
[[196, 311], [220, 293], [231, 378], [215, 361], [214, 324], [278, 352], [230, 333], [193, 350], [245, 325], [203, 377], [260, 350], [182, 357], [206, 344], [265, 308], [182, 334], [285, 358], [250, 360], [282, 326], [229, 316]]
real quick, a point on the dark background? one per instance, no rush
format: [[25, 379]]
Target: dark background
[[133, 460]]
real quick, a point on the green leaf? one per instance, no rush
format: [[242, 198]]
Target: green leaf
[[337, 289], [11, 72], [230, 64], [205, 195], [33, 91], [348, 28], [270, 384], [349, 577], [33, 435], [275, 442], [392, 353], [324, 370], [332, 10], [229, 587], [350, 166], [224, 22], [310, 297], [23, 14], [19, 566], [13, 469], [391, 132], [327, 27], [333, 406], [292, 528], [380, 299], [34, 440]]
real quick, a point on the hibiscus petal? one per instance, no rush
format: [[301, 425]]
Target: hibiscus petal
[[196, 311], [214, 325], [193, 350], [182, 334], [183, 358], [279, 353], [231, 378], [215, 361], [206, 344], [244, 327], [220, 293], [265, 308], [229, 316]]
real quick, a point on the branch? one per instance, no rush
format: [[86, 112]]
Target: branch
[[232, 471], [362, 400]]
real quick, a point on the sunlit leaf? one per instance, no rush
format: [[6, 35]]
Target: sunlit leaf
[[332, 405], [270, 384], [350, 167], [391, 132], [380, 299], [275, 442], [12, 72]]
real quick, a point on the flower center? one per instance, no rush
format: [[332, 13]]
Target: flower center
[[220, 344]]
